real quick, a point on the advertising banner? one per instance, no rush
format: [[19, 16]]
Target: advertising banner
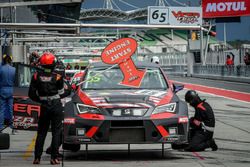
[[225, 8], [158, 15], [185, 16]]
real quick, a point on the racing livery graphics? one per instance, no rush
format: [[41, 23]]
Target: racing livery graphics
[[25, 111], [104, 111]]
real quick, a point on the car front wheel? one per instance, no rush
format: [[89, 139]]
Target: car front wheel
[[71, 147]]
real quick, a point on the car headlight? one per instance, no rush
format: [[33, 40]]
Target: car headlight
[[165, 108], [87, 109]]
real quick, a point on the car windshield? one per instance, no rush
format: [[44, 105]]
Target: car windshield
[[111, 79]]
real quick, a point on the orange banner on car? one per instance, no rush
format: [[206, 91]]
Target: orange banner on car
[[120, 52]]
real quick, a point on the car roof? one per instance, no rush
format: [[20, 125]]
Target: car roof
[[137, 64]]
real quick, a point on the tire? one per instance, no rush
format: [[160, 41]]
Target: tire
[[4, 141], [71, 147]]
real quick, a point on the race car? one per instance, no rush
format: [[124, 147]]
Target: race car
[[70, 73], [104, 111], [76, 79]]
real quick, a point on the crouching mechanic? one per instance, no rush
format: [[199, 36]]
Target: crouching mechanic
[[202, 124], [47, 88]]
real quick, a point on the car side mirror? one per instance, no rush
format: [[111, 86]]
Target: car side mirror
[[178, 87]]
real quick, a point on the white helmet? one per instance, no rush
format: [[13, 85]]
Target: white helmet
[[155, 59]]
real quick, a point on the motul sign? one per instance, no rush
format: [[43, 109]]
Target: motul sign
[[225, 8]]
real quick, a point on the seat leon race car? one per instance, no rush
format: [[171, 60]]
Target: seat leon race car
[[105, 111]]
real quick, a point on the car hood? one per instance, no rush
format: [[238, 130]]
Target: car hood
[[125, 98]]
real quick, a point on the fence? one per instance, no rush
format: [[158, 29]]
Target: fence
[[175, 69], [176, 64], [223, 70]]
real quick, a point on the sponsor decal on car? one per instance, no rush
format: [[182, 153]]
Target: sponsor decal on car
[[154, 93], [26, 108], [171, 138], [24, 122], [25, 116]]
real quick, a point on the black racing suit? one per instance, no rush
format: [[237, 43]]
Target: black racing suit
[[48, 88], [202, 127]]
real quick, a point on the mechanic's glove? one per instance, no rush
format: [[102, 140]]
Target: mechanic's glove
[[194, 123]]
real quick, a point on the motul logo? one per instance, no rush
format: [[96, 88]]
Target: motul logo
[[226, 6]]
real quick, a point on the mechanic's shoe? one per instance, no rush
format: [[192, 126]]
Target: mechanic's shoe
[[48, 151], [190, 149], [213, 145], [54, 161], [36, 161]]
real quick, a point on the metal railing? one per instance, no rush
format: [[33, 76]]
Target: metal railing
[[175, 69], [223, 70]]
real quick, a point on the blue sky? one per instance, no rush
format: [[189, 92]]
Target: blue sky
[[235, 31]]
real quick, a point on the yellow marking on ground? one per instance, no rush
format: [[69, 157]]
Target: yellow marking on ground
[[30, 148]]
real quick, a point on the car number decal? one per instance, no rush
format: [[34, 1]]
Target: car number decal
[[94, 79]]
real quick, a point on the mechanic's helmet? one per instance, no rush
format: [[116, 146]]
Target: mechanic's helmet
[[155, 59], [192, 98], [48, 60], [7, 59]]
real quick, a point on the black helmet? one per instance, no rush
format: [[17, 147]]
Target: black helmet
[[192, 98]]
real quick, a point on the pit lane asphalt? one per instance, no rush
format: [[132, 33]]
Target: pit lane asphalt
[[232, 135], [236, 86]]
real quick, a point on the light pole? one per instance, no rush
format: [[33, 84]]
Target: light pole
[[225, 35]]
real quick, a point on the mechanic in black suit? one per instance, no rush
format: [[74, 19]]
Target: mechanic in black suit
[[47, 88], [202, 124]]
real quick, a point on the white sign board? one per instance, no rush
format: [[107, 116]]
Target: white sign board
[[185, 16], [158, 15]]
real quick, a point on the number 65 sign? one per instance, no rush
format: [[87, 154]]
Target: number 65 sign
[[158, 15]]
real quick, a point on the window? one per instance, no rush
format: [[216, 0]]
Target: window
[[24, 75], [111, 79]]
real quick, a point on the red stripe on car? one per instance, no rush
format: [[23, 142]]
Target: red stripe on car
[[163, 131], [84, 98], [163, 115], [166, 99], [91, 116], [92, 131]]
